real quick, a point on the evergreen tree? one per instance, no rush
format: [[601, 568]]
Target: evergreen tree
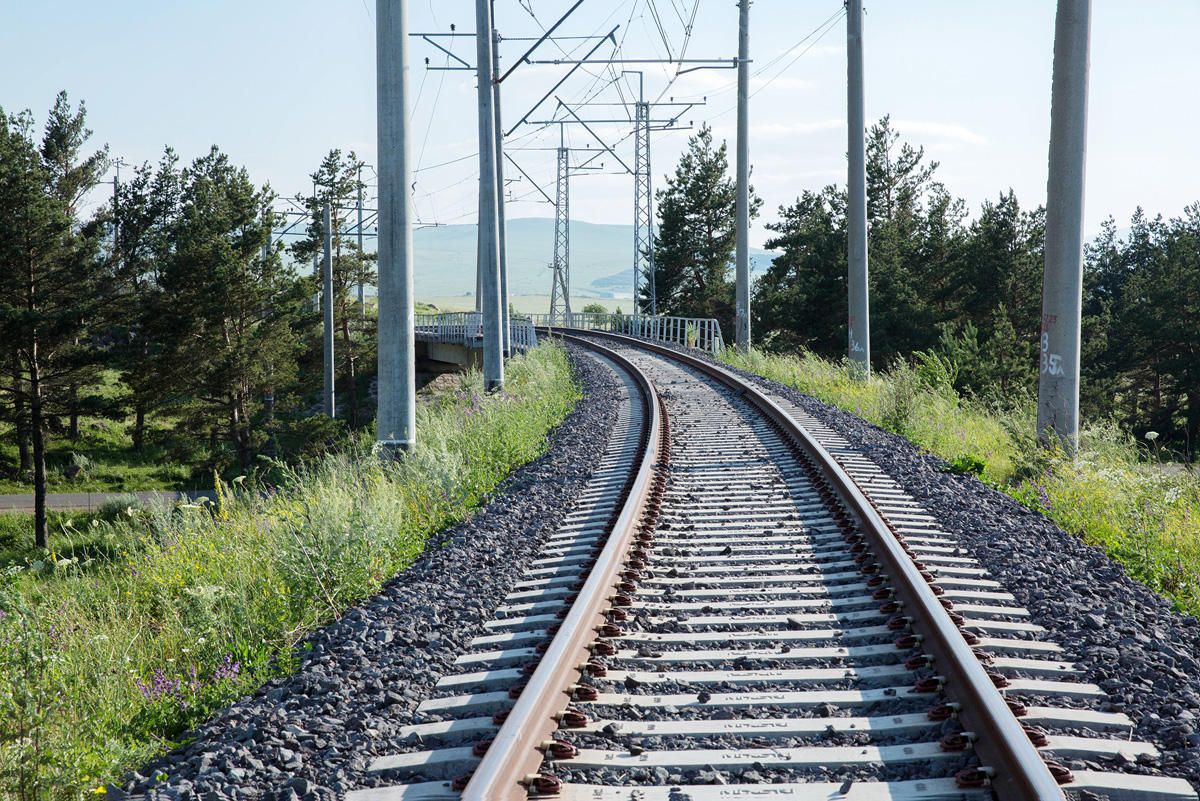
[[53, 282], [144, 214], [224, 332], [695, 239]]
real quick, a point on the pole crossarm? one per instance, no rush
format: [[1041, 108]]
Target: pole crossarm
[[524, 59], [726, 63], [595, 136], [612, 35], [465, 65], [527, 175]]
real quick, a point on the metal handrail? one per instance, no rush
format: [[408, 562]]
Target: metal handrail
[[703, 333], [466, 328]]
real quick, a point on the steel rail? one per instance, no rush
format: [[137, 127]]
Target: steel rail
[[1003, 745], [513, 758]]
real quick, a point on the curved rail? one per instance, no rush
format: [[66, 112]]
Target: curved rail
[[513, 758], [1018, 771]]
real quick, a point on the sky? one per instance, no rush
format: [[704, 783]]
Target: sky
[[277, 84]]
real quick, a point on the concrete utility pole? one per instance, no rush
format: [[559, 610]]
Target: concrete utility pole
[[859, 327], [489, 234], [397, 394], [501, 223], [362, 300], [742, 322], [1062, 283], [329, 407], [316, 260]]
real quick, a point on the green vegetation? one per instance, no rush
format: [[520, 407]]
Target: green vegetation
[[109, 652], [166, 334], [695, 237], [1115, 494]]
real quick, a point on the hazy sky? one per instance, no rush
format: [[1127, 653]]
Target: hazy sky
[[276, 84]]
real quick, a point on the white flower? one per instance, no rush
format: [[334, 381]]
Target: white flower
[[1151, 435]]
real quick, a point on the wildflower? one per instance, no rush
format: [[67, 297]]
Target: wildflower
[[1151, 435], [101, 790]]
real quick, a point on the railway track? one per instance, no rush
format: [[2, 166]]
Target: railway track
[[741, 606]]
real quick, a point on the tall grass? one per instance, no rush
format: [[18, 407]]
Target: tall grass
[[1114, 493], [104, 662]]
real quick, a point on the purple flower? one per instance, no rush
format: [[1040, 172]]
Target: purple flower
[[228, 670]]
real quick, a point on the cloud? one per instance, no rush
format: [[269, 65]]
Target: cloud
[[771, 129], [950, 131]]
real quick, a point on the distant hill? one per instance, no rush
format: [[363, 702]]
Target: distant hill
[[601, 257]]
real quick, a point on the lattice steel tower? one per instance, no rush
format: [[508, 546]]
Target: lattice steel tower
[[643, 209], [560, 290]]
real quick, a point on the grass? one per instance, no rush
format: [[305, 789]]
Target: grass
[[107, 656], [105, 460], [1113, 494]]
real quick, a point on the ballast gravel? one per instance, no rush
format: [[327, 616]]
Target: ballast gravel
[[1126, 639], [310, 735]]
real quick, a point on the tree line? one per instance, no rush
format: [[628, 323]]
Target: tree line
[[943, 281], [171, 303]]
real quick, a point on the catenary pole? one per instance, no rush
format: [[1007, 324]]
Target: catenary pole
[[501, 224], [316, 258], [859, 321], [742, 315], [362, 300], [329, 406], [396, 414], [1062, 282], [493, 337]]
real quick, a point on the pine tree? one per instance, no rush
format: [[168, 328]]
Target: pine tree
[[695, 239], [225, 328], [53, 281]]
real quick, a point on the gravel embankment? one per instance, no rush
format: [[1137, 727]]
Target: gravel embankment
[[1125, 638], [310, 735]]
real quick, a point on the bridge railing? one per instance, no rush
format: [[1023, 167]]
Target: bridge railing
[[466, 328], [693, 332]]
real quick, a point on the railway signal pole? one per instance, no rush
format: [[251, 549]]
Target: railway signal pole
[[329, 406], [489, 189], [397, 395], [859, 322], [742, 299], [1062, 282]]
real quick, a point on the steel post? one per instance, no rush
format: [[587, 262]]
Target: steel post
[[560, 289], [1062, 283], [493, 335], [501, 222], [742, 301], [397, 394], [329, 406], [859, 322]]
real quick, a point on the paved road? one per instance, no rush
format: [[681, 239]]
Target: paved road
[[90, 500]]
